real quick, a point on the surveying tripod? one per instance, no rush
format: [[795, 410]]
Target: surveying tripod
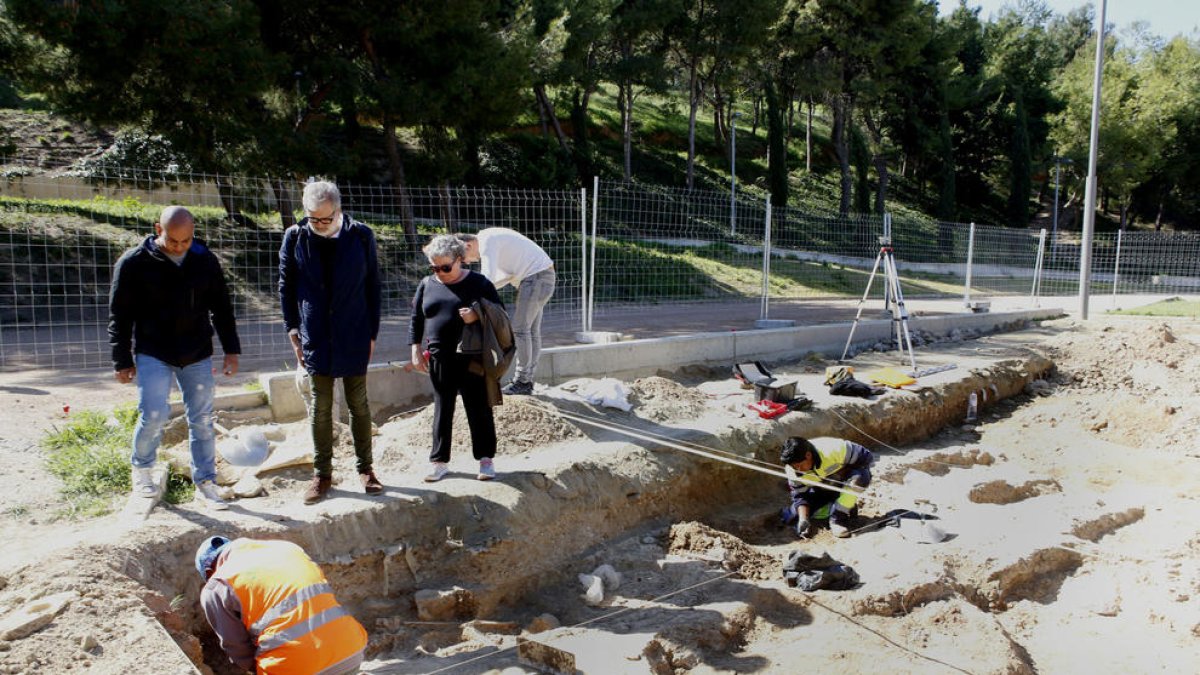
[[893, 299]]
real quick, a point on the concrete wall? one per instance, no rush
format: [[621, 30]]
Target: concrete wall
[[392, 388]]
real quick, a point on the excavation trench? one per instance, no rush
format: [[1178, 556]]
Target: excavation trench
[[471, 551]]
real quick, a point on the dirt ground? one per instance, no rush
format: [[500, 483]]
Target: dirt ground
[[1070, 512]]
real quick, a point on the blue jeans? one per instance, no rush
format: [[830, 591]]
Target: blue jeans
[[154, 385], [532, 296]]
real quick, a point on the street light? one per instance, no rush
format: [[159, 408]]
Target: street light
[[1058, 162], [733, 174], [1089, 199]]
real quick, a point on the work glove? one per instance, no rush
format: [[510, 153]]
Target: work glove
[[804, 529]]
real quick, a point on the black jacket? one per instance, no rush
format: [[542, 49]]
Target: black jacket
[[336, 324], [161, 309], [492, 338]]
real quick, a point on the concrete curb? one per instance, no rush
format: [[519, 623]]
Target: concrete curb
[[390, 386], [242, 400]]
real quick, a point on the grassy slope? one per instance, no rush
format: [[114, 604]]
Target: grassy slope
[[1168, 307], [649, 272]]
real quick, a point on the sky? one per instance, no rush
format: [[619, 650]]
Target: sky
[[1167, 18]]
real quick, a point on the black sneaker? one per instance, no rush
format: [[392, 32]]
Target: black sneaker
[[518, 388]]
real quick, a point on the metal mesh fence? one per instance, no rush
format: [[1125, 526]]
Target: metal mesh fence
[[654, 248], [671, 246], [61, 237]]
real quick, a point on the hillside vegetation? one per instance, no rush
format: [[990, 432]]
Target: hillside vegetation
[[838, 106]]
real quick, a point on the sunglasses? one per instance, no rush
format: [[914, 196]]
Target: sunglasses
[[444, 269], [321, 221]]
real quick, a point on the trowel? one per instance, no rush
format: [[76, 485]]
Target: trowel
[[921, 531]]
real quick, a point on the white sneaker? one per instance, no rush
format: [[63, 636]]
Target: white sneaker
[[211, 495], [438, 472], [144, 484], [487, 470]]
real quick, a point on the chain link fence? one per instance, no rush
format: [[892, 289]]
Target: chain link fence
[[618, 248], [61, 237]]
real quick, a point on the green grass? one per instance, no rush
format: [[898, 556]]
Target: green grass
[[91, 457], [1168, 307]]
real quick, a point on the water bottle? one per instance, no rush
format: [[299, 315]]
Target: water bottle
[[972, 407]]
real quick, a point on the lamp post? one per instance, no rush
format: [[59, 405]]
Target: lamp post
[[1058, 162], [733, 173], [1089, 214]]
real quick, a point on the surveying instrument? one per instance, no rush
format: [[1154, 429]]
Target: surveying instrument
[[893, 301]]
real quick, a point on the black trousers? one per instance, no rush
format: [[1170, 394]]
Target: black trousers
[[450, 377]]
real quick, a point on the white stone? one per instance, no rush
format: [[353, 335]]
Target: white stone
[[34, 616], [248, 486], [594, 588]]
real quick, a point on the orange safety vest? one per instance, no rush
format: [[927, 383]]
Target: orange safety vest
[[288, 608]]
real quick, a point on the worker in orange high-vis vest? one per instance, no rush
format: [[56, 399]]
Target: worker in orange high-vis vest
[[273, 610]]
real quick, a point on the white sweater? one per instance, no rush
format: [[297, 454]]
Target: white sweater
[[509, 257]]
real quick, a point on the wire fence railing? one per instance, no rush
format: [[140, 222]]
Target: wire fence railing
[[617, 247]]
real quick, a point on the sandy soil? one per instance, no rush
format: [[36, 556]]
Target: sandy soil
[[1072, 529], [1070, 509]]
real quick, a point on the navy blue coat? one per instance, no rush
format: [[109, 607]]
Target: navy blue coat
[[337, 327]]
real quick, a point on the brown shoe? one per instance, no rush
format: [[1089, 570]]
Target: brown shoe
[[370, 483], [317, 489]]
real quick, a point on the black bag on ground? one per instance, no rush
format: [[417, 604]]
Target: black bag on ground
[[849, 386], [799, 561], [836, 578], [816, 573]]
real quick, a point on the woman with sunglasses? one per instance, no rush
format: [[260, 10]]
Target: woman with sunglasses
[[441, 308]]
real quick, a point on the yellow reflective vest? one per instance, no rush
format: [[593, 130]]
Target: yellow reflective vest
[[288, 608], [836, 458]]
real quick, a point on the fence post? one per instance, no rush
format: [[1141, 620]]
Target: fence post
[[1117, 267], [583, 271], [766, 264], [1037, 268], [970, 262], [591, 308]]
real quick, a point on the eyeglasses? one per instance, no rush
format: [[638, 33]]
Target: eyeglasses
[[321, 221], [444, 269]]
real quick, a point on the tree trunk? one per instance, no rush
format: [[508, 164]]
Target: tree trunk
[[284, 202], [777, 171], [879, 160], [841, 115], [720, 124], [1158, 217], [228, 200], [548, 112], [581, 99], [624, 96], [791, 118], [693, 108], [447, 207], [808, 138], [541, 111], [396, 163]]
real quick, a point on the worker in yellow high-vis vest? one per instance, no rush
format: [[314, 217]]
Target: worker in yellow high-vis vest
[[833, 461], [273, 610]]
